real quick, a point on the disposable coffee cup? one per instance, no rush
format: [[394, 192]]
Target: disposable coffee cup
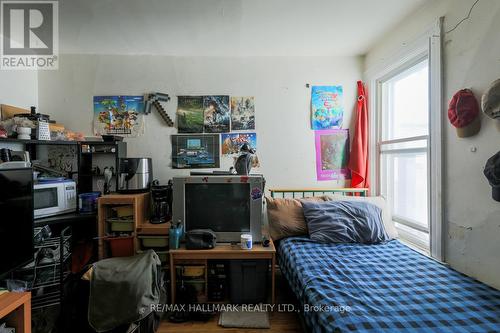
[[246, 241]]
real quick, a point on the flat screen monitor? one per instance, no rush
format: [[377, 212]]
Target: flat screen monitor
[[223, 207], [16, 222]]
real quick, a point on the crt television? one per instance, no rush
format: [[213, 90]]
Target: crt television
[[229, 205], [16, 221]]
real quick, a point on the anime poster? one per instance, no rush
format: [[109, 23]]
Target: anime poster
[[216, 114], [190, 114], [121, 115], [195, 151], [332, 153], [327, 107], [242, 113], [232, 142]]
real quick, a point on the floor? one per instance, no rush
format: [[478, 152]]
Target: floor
[[280, 321]]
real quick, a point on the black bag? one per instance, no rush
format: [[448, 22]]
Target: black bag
[[199, 239]]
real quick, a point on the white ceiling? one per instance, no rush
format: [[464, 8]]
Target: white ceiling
[[228, 27]]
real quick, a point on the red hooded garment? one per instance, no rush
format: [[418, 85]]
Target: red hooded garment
[[358, 159]]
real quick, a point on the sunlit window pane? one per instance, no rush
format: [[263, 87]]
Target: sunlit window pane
[[404, 164], [405, 185], [406, 101]]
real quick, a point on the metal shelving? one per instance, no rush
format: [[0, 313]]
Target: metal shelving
[[46, 274]]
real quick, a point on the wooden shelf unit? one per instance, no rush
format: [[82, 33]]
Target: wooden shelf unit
[[141, 207], [148, 228], [15, 309], [182, 256]]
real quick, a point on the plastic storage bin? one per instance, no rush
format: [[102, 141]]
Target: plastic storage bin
[[124, 211], [153, 241], [121, 246], [248, 281], [87, 202], [121, 224]]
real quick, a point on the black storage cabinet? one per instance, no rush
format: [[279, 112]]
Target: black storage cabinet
[[248, 281]]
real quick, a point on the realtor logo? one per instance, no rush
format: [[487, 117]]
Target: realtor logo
[[29, 34]]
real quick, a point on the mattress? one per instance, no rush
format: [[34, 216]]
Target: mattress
[[384, 288]]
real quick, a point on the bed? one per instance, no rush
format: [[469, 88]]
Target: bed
[[385, 287]]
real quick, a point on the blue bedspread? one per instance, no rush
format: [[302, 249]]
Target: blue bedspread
[[384, 288]]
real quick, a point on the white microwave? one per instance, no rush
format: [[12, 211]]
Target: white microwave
[[54, 198]]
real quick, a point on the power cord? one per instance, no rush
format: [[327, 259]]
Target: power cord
[[464, 19]]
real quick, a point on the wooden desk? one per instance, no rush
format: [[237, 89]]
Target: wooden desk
[[16, 309], [222, 252]]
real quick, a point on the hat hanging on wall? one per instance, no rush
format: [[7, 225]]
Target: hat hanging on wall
[[463, 113], [492, 173], [490, 102]]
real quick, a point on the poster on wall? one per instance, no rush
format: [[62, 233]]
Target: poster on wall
[[195, 151], [242, 113], [327, 107], [216, 115], [119, 115], [332, 153], [190, 114], [232, 142]]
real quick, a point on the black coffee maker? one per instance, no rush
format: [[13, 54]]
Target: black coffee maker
[[161, 197]]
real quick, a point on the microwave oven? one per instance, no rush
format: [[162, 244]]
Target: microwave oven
[[53, 198]]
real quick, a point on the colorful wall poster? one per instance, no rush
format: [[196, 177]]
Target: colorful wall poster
[[216, 115], [242, 113], [332, 153], [195, 151], [232, 142], [327, 107], [190, 114], [121, 115]]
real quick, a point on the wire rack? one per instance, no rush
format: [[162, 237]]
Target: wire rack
[[46, 274]]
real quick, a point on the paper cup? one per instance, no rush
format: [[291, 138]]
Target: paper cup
[[246, 241]]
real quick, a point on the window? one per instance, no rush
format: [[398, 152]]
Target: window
[[403, 149]]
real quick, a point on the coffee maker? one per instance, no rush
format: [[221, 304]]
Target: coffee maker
[[161, 197]]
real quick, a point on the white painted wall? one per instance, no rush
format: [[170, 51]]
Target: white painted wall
[[19, 88], [284, 138], [471, 59]]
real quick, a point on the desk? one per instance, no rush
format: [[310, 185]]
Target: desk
[[16, 309], [222, 252]]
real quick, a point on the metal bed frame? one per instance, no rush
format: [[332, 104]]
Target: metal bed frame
[[308, 192]]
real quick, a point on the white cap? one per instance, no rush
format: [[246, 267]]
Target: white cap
[[490, 102]]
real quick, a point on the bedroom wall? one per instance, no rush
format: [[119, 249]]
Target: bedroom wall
[[471, 59], [284, 138], [18, 88]]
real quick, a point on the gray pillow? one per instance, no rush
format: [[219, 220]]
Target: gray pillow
[[344, 222]]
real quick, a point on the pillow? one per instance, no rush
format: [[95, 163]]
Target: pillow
[[380, 202], [344, 222], [286, 216]]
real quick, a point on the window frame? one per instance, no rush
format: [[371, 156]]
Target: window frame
[[428, 44], [380, 142]]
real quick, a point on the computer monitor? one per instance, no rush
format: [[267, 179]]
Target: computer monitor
[[228, 205]]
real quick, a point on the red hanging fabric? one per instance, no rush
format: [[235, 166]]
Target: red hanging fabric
[[358, 159]]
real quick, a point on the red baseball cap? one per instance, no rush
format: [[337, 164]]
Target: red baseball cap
[[463, 113]]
